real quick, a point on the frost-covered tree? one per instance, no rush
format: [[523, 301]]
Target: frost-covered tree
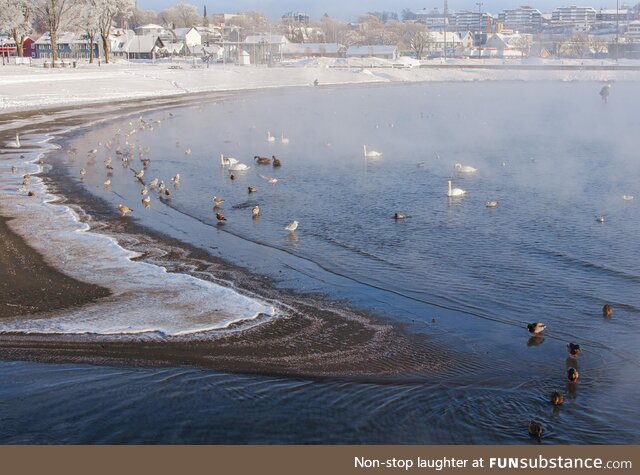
[[55, 14], [15, 18], [183, 15], [88, 21], [105, 12]]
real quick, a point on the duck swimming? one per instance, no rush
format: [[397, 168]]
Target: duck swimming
[[574, 349], [535, 429], [557, 398], [607, 311], [536, 328], [573, 375]]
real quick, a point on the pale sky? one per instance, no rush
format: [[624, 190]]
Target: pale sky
[[349, 10]]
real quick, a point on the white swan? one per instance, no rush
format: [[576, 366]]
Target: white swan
[[455, 191], [238, 167], [227, 161], [284, 139], [464, 168], [371, 153], [270, 138], [16, 143]]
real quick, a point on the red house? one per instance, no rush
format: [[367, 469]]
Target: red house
[[8, 48], [28, 51]]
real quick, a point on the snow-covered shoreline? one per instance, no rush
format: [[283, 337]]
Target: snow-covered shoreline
[[24, 88]]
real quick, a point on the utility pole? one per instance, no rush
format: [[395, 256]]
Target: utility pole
[[480, 28], [617, 28], [446, 12]]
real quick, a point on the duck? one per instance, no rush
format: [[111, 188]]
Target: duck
[[607, 311], [535, 429], [536, 328], [600, 219], [275, 162], [153, 183], [557, 398], [252, 189], [572, 375], [124, 209], [400, 216], [107, 183], [217, 201], [292, 226], [371, 153], [220, 217], [176, 179], [464, 168], [491, 204], [574, 349], [284, 139], [146, 201], [270, 138], [255, 212], [83, 172], [144, 191], [627, 197], [454, 191], [139, 175], [262, 160], [15, 143]]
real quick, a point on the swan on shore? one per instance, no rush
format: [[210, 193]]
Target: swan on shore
[[454, 191], [15, 143], [371, 153], [464, 168]]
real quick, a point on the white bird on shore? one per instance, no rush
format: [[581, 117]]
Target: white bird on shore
[[139, 175], [144, 191], [107, 183], [217, 201], [153, 183], [270, 138], [453, 192], [146, 201], [371, 153], [464, 168], [15, 143], [292, 226], [284, 139], [627, 197]]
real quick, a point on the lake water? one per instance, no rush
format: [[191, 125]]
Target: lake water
[[553, 156]]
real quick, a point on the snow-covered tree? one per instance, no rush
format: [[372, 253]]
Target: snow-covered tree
[[105, 12], [55, 14], [88, 21], [183, 15], [15, 18]]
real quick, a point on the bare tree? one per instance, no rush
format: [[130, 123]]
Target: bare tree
[[55, 14], [15, 18], [142, 17]]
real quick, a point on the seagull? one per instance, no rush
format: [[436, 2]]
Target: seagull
[[627, 197], [600, 219], [292, 226], [217, 201], [187, 151], [107, 162], [220, 217], [400, 216], [16, 143], [139, 175], [124, 209], [153, 183], [144, 191], [107, 183], [255, 211], [491, 204], [146, 201], [176, 179], [93, 151], [536, 328]]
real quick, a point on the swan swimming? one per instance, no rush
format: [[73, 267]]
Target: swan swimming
[[226, 161], [454, 191], [371, 153], [284, 139], [15, 143], [238, 167], [464, 168], [270, 138]]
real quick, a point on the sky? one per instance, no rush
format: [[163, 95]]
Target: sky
[[349, 10]]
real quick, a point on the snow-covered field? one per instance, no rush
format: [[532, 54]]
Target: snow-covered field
[[29, 88]]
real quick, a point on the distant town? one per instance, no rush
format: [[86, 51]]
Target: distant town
[[108, 30]]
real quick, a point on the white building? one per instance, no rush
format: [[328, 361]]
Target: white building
[[522, 19], [373, 51], [574, 15], [189, 36]]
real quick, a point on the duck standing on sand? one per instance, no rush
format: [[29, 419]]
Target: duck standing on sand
[[124, 209], [536, 328]]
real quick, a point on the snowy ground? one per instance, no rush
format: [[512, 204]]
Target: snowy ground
[[28, 88]]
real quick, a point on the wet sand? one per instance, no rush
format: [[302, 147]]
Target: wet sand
[[316, 337]]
